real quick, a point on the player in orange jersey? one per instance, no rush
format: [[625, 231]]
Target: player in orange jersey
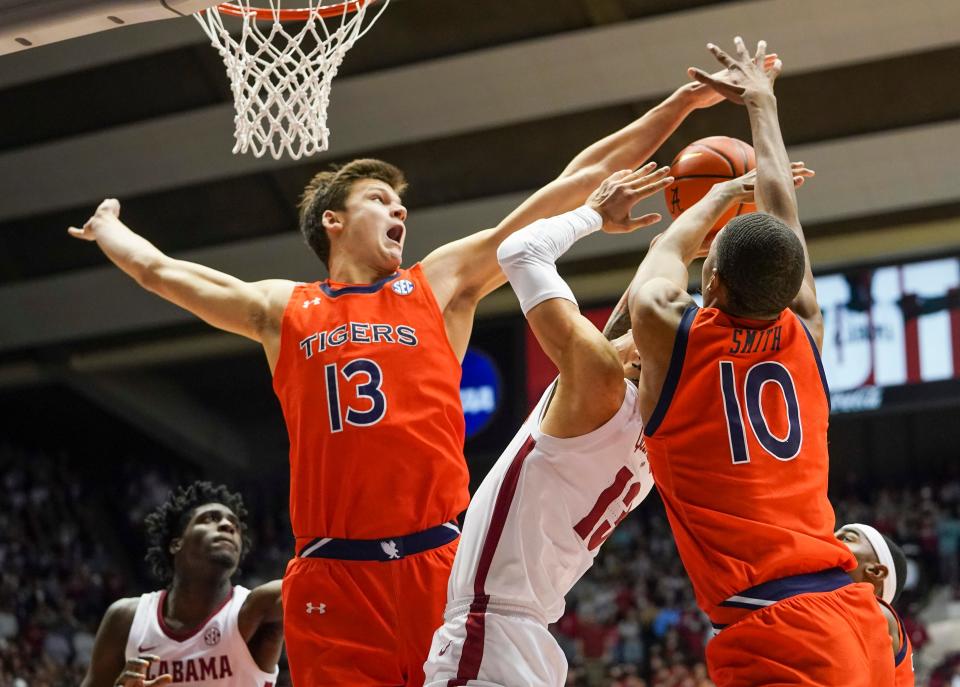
[[882, 564], [366, 365], [736, 407]]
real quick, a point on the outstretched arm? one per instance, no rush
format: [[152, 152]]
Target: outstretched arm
[[251, 309], [746, 82], [464, 271], [590, 388]]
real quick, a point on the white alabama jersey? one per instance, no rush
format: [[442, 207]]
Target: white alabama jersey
[[215, 654], [537, 521]]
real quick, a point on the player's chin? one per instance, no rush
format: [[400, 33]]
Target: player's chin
[[392, 258], [226, 557]]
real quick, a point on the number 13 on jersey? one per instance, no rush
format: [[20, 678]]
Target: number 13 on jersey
[[780, 447], [368, 394]]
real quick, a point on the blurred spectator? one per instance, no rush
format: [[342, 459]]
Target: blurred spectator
[[70, 545]]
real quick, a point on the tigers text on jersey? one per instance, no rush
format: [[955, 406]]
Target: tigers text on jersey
[[370, 390], [738, 446], [213, 654], [537, 521]]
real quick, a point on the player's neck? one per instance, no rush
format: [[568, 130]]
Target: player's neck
[[191, 599], [346, 272]]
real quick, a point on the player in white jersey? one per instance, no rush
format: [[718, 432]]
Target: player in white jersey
[[575, 469], [200, 629]]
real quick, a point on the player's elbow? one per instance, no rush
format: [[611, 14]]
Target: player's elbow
[[148, 273], [512, 250]]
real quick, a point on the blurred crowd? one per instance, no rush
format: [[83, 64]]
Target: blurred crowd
[[71, 543]]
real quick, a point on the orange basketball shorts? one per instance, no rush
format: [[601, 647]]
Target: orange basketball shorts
[[836, 638], [363, 623]]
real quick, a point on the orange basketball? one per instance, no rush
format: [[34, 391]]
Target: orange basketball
[[704, 163]]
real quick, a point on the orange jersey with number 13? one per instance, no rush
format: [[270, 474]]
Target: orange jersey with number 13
[[370, 390]]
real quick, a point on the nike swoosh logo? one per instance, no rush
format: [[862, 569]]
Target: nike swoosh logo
[[444, 649], [143, 649]]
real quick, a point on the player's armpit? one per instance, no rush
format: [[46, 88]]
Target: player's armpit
[[260, 622], [262, 605], [656, 309]]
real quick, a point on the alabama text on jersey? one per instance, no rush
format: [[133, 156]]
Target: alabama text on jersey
[[215, 654]]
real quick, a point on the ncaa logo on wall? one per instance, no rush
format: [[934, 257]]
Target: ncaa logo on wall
[[403, 287], [480, 390]]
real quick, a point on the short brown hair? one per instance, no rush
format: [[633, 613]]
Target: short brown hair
[[328, 190]]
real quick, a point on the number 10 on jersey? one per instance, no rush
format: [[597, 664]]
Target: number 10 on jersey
[[782, 448], [369, 391]]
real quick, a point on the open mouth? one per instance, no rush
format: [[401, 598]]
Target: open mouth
[[395, 233]]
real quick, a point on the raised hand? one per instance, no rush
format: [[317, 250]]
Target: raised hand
[[621, 191], [743, 186], [702, 95], [135, 672], [108, 211], [744, 78]]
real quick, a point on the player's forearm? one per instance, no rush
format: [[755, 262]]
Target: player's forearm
[[130, 252], [670, 257], [775, 192], [635, 143], [688, 232]]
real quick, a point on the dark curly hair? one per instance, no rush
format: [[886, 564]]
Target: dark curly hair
[[762, 263], [170, 520]]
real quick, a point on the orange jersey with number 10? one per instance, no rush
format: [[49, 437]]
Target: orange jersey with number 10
[[370, 390], [738, 448]]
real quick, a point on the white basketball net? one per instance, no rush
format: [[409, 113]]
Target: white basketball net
[[281, 77]]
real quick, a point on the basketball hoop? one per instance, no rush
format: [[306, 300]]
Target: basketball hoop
[[281, 77]]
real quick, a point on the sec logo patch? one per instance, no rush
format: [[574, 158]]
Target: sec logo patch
[[212, 636], [403, 287]]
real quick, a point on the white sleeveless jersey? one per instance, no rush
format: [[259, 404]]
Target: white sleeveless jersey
[[537, 521], [215, 654]]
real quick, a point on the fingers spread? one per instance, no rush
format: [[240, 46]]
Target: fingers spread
[[740, 48], [645, 220], [760, 57], [723, 57], [130, 678], [776, 68]]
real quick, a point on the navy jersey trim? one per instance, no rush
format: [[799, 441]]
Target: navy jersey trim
[[816, 356], [362, 288], [672, 379], [904, 640]]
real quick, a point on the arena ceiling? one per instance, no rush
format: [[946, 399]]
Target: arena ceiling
[[480, 102]]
